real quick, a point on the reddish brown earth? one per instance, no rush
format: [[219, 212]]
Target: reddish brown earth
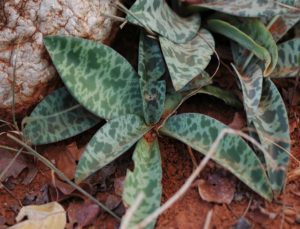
[[190, 211]]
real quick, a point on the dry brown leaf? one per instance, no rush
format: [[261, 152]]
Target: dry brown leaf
[[217, 189], [17, 167], [82, 214], [47, 216], [119, 185]]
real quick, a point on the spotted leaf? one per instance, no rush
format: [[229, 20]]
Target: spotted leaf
[[145, 178], [198, 82], [258, 32], [281, 24], [288, 64], [272, 127], [157, 16], [96, 76], [200, 131], [241, 8], [186, 61], [113, 139], [154, 94], [151, 63], [56, 118], [251, 82]]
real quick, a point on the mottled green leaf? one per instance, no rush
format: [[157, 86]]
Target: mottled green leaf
[[288, 59], [272, 127], [145, 178], [258, 32], [172, 102], [56, 118], [200, 131], [113, 139], [232, 32], [281, 24], [226, 96], [154, 94], [157, 16], [97, 76], [198, 82], [186, 61], [251, 82], [241, 8], [151, 61]]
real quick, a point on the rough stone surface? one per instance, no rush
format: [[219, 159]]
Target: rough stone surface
[[23, 24]]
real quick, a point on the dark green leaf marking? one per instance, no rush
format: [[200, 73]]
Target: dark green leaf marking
[[56, 118], [154, 95], [200, 131], [186, 61], [157, 16], [97, 76], [113, 139], [288, 64], [146, 178], [151, 62], [272, 127], [251, 82]]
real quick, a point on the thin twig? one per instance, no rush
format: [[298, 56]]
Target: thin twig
[[208, 219], [61, 174], [10, 163], [130, 212], [186, 185], [194, 161]]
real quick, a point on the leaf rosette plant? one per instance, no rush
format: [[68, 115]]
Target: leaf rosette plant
[[139, 107]]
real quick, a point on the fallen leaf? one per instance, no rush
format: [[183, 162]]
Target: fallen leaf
[[119, 185], [60, 190], [47, 216], [113, 201], [217, 189], [15, 169], [74, 151], [82, 214]]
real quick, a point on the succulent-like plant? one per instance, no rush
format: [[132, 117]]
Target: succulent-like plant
[[138, 105]]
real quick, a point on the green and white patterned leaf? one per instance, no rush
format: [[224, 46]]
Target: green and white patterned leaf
[[232, 32], [288, 64], [198, 82], [56, 118], [258, 32], [186, 61], [145, 178], [200, 131], [154, 95], [251, 82], [226, 96], [112, 140], [151, 61], [157, 16], [280, 25], [273, 130], [97, 76], [241, 8]]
